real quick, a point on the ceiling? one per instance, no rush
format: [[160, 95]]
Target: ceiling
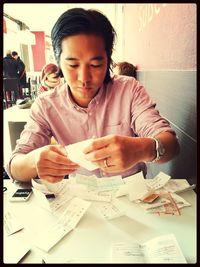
[[41, 17]]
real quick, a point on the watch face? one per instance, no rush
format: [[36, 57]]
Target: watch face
[[161, 148]]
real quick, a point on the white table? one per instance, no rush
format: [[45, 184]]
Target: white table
[[91, 240], [14, 121]]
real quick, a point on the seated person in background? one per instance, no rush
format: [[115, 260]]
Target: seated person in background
[[125, 68], [50, 78], [117, 111]]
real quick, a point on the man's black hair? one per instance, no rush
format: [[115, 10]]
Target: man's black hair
[[79, 20]]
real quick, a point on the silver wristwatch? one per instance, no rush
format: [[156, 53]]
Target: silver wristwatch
[[160, 150]]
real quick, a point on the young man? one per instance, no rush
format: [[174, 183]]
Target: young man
[[117, 111]]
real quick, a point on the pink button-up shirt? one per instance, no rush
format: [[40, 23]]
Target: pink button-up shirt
[[121, 107]]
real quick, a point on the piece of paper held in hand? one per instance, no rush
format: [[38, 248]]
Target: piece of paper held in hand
[[11, 224], [75, 153]]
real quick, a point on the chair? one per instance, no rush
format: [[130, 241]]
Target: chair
[[34, 87], [27, 88], [10, 91]]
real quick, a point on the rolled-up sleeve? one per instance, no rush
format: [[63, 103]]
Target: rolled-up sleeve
[[35, 134], [146, 120]]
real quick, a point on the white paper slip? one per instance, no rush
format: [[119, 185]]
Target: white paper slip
[[37, 184], [75, 153], [11, 224], [89, 181], [162, 249], [180, 202], [56, 259], [55, 187], [14, 250], [59, 201], [51, 205], [127, 252], [122, 190], [94, 195], [158, 181], [47, 187], [178, 186], [109, 183], [136, 186], [41, 199], [157, 203], [100, 184], [49, 237], [111, 210], [74, 212]]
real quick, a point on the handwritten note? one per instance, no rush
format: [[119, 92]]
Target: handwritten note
[[162, 249]]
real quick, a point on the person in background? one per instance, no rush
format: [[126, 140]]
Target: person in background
[[50, 78], [10, 66], [125, 68], [21, 73], [11, 69], [118, 111]]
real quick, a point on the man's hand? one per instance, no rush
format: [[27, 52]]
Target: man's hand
[[52, 81], [52, 163], [115, 153]]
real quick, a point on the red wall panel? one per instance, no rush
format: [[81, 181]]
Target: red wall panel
[[38, 51]]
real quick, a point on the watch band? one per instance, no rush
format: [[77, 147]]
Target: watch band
[[160, 150], [157, 150]]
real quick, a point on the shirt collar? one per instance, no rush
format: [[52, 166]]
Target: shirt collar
[[96, 99]]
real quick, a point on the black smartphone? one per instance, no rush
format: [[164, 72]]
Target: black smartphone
[[21, 194]]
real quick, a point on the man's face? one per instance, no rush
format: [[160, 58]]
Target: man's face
[[15, 57], [83, 62]]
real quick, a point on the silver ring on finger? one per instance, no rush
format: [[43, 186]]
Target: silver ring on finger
[[105, 163]]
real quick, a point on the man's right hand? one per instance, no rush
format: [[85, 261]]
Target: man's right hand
[[52, 163]]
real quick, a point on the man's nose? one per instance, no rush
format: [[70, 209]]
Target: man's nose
[[84, 74]]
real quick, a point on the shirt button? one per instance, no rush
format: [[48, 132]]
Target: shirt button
[[104, 174], [90, 114]]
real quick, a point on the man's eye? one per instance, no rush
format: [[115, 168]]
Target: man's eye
[[73, 66], [96, 66]]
